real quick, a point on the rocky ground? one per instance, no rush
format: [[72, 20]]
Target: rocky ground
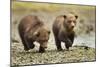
[[75, 54]]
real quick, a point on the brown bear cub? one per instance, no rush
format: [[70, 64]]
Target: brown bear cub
[[31, 29], [63, 30]]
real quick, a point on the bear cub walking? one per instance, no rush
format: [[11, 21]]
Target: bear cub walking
[[31, 29], [63, 30]]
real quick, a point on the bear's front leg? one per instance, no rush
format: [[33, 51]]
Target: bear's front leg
[[26, 43], [68, 43], [31, 44], [69, 40], [41, 49]]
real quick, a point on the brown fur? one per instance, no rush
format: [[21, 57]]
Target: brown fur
[[31, 29], [63, 30]]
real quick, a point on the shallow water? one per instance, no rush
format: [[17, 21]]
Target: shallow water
[[85, 40], [80, 40]]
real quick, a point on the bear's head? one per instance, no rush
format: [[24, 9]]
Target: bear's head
[[42, 37], [70, 21]]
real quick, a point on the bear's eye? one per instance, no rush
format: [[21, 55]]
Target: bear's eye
[[36, 34], [69, 21], [74, 21]]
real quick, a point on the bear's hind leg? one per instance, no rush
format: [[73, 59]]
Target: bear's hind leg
[[26, 48], [24, 42], [58, 44]]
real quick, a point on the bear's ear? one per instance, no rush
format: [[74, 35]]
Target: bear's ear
[[36, 34], [64, 16], [76, 16]]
